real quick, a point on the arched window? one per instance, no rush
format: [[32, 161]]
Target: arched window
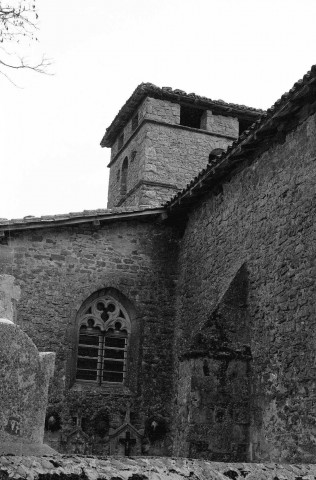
[[104, 329], [124, 176]]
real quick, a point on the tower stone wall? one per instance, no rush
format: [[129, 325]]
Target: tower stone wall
[[162, 155]]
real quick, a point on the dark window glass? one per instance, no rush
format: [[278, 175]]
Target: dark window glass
[[89, 339], [113, 377], [86, 374], [87, 352], [87, 363], [110, 366], [101, 356], [114, 353], [115, 342]]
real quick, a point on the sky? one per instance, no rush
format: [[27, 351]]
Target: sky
[[242, 51]]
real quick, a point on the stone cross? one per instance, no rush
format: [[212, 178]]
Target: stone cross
[[128, 442]]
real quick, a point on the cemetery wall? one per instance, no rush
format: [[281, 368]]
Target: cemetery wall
[[76, 467]]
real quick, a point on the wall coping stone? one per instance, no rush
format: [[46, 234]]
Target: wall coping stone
[[151, 468]]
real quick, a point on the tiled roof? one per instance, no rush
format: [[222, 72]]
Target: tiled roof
[[272, 126], [167, 93], [31, 222]]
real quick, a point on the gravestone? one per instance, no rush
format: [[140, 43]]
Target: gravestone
[[126, 441], [77, 442], [24, 379]]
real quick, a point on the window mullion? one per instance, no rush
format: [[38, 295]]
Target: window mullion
[[124, 361], [100, 358]]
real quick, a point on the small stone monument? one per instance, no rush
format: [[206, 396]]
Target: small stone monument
[[126, 440], [24, 379]]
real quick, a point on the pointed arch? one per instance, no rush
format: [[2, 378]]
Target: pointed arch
[[104, 328]]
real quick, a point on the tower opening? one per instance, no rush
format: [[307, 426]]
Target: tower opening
[[190, 116]]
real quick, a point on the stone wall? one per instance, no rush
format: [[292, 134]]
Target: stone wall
[[76, 467], [149, 193], [135, 153], [176, 155], [150, 109], [57, 269], [223, 125], [264, 219], [213, 400], [161, 110]]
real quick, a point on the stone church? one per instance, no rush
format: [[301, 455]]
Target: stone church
[[183, 315]]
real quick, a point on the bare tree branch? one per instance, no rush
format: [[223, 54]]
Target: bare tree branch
[[40, 67], [18, 24]]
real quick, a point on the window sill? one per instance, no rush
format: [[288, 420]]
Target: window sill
[[118, 388]]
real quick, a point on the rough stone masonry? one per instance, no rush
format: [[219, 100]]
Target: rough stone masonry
[[145, 468], [217, 287]]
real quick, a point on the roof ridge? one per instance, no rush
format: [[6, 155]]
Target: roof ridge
[[28, 219], [167, 93]]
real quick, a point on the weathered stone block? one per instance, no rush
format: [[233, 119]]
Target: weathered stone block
[[25, 375]]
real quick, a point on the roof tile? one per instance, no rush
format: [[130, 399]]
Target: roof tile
[[45, 219], [148, 89]]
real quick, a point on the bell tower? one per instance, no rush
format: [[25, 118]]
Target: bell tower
[[161, 138]]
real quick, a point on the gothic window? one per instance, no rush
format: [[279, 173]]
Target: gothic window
[[104, 328], [124, 176]]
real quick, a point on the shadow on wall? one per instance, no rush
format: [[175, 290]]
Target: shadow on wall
[[214, 382]]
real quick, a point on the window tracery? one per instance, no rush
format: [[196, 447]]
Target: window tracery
[[104, 328]]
